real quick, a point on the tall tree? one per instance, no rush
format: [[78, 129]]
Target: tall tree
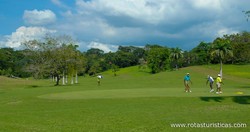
[[38, 59], [158, 58], [53, 56], [175, 55], [202, 52], [94, 60], [241, 47], [12, 62], [220, 49]]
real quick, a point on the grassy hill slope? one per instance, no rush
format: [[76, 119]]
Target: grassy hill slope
[[132, 101]]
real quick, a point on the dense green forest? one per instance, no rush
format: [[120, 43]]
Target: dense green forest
[[59, 56]]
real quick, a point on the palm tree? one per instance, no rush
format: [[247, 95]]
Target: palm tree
[[175, 55], [247, 13], [220, 48]]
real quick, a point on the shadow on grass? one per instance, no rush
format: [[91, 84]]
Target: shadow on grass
[[242, 99], [236, 99], [216, 99], [31, 86], [245, 86]]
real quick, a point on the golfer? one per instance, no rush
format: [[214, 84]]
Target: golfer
[[187, 80], [218, 84], [211, 82], [99, 80]]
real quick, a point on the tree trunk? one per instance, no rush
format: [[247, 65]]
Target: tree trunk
[[66, 79], [76, 79], [72, 79], [63, 79], [57, 80], [221, 69]]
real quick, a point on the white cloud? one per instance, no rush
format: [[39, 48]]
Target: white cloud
[[138, 22], [59, 3], [2, 43], [36, 17], [223, 31], [23, 34], [149, 11], [161, 12], [105, 47], [208, 4]]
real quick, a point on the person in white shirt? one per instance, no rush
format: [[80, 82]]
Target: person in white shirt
[[211, 82], [99, 79]]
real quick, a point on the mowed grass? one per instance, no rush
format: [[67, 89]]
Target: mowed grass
[[235, 70], [130, 102]]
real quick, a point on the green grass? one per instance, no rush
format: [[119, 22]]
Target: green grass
[[235, 70], [133, 101]]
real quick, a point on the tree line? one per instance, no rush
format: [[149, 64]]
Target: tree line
[[59, 57]]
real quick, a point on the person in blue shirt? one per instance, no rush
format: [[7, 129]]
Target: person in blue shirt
[[187, 81]]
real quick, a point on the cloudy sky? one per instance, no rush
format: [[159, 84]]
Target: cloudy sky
[[106, 24]]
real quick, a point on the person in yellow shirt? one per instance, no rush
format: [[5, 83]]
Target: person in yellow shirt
[[218, 84]]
